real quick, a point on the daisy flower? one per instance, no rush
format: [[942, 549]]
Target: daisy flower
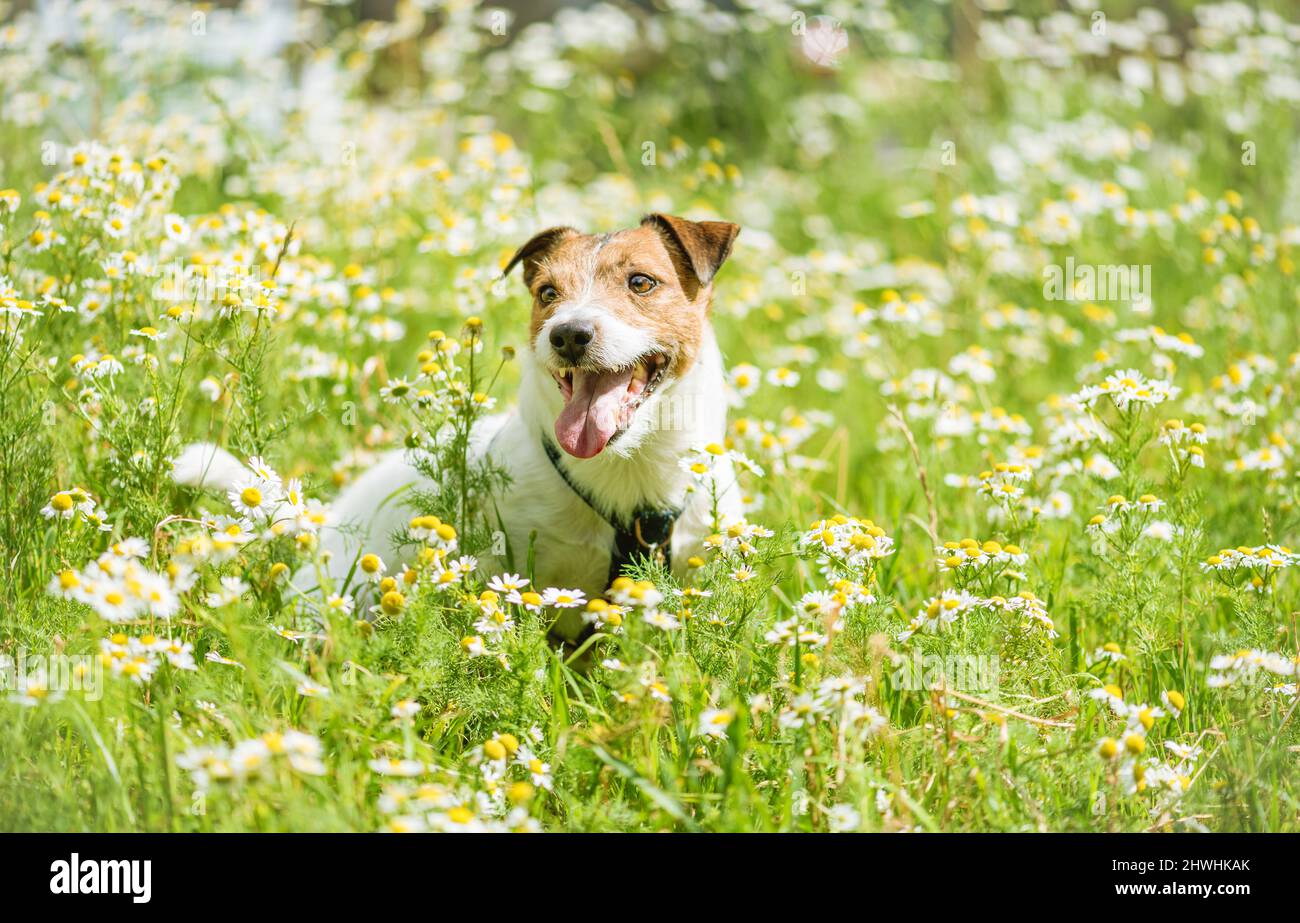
[[563, 599], [252, 498], [713, 722]]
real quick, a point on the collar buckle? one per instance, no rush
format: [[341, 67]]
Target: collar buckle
[[665, 528]]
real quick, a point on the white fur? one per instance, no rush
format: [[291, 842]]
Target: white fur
[[573, 542], [206, 465], [640, 468], [616, 344]]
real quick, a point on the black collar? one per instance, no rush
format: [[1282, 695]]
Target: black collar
[[648, 533]]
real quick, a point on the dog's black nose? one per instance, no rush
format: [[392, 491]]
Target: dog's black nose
[[571, 339]]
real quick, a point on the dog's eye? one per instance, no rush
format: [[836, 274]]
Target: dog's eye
[[641, 284], [547, 293]]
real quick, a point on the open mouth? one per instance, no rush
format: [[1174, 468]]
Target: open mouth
[[599, 403]]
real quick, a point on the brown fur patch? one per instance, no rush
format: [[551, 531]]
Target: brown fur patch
[[597, 269]]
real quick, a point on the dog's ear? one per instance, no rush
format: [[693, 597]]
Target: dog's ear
[[537, 246], [703, 245]]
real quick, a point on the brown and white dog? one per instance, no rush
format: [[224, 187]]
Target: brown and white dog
[[622, 377]]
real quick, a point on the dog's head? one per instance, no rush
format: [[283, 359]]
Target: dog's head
[[618, 317]]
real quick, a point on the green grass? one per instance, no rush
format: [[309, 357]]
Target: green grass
[[382, 204]]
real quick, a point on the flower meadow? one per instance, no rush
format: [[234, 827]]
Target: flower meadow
[[1013, 365]]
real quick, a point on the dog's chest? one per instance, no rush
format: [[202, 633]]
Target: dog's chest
[[568, 544], [545, 520]]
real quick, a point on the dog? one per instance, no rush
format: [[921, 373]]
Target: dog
[[621, 378]]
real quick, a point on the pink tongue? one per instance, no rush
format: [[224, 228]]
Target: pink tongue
[[591, 415]]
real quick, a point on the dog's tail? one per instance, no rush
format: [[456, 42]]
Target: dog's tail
[[203, 464]]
